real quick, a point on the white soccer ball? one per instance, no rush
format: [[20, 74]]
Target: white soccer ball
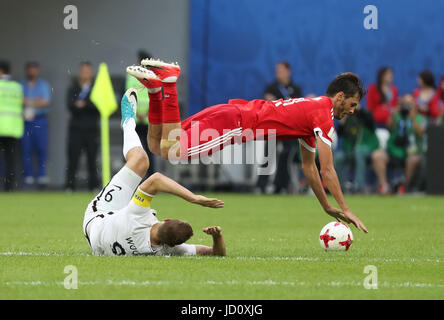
[[336, 236]]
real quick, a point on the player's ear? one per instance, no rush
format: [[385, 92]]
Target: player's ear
[[340, 96]]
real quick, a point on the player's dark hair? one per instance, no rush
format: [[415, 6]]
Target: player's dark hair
[[174, 232], [285, 64], [5, 67], [349, 83], [86, 63], [381, 73], [32, 64], [428, 78]]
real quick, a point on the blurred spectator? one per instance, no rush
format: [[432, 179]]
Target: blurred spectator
[[426, 96], [357, 142], [405, 147], [142, 111], [440, 93], [11, 122], [83, 128], [282, 88], [382, 99], [37, 97]]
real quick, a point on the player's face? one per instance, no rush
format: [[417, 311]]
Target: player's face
[[347, 107], [33, 72], [85, 73], [283, 74], [388, 77]]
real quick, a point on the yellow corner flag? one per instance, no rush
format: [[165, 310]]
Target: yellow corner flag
[[102, 95]]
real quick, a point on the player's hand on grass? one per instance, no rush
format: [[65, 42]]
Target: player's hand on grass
[[347, 217], [337, 214], [208, 202], [355, 220], [213, 231]]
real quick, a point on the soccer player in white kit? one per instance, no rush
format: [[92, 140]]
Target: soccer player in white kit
[[120, 220]]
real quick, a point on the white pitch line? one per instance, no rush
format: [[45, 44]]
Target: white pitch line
[[339, 259], [292, 259], [43, 254], [296, 283]]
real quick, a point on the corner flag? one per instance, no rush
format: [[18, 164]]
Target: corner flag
[[102, 95]]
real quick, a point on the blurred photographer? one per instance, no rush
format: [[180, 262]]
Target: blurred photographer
[[405, 147], [440, 95], [426, 97], [83, 128], [282, 88], [357, 141]]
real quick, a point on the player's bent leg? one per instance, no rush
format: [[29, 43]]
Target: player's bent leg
[[115, 195], [154, 137], [137, 160], [169, 149], [136, 157], [154, 86], [118, 192], [170, 138]]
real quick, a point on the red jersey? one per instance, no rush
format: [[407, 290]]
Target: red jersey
[[215, 127], [432, 108], [301, 118], [381, 111]]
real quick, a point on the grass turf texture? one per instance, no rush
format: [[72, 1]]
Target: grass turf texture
[[273, 251]]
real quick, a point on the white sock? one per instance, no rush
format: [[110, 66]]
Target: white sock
[[130, 138]]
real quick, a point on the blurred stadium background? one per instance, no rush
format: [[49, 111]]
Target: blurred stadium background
[[229, 49]]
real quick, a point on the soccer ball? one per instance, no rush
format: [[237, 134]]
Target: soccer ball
[[336, 236]]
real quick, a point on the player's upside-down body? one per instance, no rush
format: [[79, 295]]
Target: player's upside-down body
[[120, 220], [309, 120]]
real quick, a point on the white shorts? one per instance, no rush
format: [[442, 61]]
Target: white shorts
[[114, 196]]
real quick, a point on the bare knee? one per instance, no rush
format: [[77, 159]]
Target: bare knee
[[169, 148], [138, 161], [153, 137], [154, 145], [379, 156], [165, 152], [413, 160]]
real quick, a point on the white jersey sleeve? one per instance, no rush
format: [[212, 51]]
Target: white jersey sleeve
[[183, 250]]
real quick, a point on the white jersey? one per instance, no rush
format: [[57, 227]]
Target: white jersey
[[116, 225], [127, 233]]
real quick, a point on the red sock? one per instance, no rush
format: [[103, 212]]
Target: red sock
[[155, 109], [170, 111]]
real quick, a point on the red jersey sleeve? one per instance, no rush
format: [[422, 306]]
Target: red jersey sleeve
[[320, 116], [323, 123]]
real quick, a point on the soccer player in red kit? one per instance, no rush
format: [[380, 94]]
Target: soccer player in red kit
[[309, 120]]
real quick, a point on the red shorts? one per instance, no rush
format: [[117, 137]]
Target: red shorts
[[210, 130]]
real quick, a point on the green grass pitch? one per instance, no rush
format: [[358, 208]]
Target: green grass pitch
[[272, 245]]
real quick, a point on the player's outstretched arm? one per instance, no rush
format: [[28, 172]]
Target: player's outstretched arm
[[330, 177], [218, 248], [157, 182], [312, 174]]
